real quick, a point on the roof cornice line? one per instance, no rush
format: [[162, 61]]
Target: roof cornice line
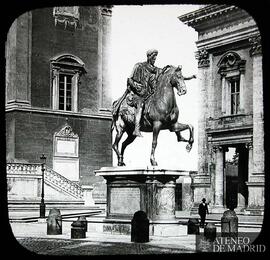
[[204, 13]]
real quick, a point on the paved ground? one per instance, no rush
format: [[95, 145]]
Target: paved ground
[[52, 246], [33, 237]]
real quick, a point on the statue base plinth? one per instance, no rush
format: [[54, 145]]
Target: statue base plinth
[[123, 227], [149, 189]]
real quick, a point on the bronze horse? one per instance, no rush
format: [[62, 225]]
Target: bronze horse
[[160, 112]]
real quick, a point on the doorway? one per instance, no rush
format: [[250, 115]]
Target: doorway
[[236, 175]]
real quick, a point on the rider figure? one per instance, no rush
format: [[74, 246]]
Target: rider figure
[[142, 83]]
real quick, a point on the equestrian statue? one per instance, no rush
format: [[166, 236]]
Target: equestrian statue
[[149, 105]]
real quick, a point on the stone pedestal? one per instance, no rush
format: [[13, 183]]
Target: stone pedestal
[[151, 190]]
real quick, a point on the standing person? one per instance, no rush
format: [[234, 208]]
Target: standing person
[[203, 209]]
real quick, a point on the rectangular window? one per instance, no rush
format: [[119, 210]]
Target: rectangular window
[[235, 95], [65, 92]]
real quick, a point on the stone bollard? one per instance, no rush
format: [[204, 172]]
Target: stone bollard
[[229, 224], [84, 222], [78, 229], [54, 222], [193, 226], [210, 232], [140, 227]]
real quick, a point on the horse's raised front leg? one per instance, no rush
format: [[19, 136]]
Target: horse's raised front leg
[[156, 129], [178, 128], [130, 138], [119, 134]]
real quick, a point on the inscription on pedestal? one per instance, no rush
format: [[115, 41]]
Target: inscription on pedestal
[[124, 200]]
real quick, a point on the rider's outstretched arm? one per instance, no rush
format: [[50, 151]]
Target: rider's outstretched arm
[[191, 77]]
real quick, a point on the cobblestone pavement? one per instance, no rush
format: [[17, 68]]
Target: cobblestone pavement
[[33, 237], [53, 246]]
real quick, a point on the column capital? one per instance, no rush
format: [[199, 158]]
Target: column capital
[[203, 58], [223, 75], [218, 148], [106, 10], [249, 146], [256, 46]]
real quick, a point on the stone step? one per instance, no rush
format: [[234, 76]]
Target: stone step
[[73, 215], [33, 206], [217, 222], [32, 201]]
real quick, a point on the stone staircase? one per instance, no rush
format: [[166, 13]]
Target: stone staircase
[[51, 177], [62, 184], [66, 195]]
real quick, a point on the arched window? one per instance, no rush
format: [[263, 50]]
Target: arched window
[[232, 69], [66, 71]]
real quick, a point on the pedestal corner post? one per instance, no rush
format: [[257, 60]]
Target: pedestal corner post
[[164, 200]]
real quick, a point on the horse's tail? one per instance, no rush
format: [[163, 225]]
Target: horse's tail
[[117, 103], [116, 107]]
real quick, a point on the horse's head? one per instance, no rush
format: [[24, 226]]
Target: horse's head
[[177, 81]]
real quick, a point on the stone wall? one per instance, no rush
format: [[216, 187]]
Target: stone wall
[[33, 40], [34, 136], [82, 42]]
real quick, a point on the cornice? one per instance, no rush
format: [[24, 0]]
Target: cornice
[[101, 115], [201, 13], [211, 16]]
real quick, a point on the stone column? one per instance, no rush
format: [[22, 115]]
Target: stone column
[[201, 180], [106, 13], [18, 61], [242, 168], [203, 82], [219, 178], [256, 178], [258, 117]]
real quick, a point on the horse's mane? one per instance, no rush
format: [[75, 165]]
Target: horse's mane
[[164, 71]]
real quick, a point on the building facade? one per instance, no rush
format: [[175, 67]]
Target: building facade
[[230, 108], [58, 95]]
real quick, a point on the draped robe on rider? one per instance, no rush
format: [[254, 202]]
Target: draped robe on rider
[[144, 77]]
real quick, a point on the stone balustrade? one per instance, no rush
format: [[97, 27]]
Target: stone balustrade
[[63, 183], [23, 168], [50, 177]]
